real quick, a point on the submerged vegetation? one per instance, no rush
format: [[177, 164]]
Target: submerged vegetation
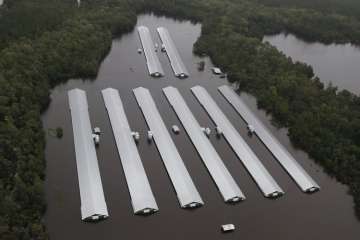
[[44, 42]]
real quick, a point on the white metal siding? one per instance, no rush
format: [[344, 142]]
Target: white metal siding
[[220, 174], [294, 169], [182, 182], [142, 197], [256, 169], [91, 190], [152, 59], [173, 54]]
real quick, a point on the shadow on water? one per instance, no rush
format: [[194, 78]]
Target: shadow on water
[[327, 214]]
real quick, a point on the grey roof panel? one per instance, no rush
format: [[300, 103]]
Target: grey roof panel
[[175, 60], [93, 203], [294, 169], [185, 189], [256, 169], [152, 59], [220, 174], [142, 198]]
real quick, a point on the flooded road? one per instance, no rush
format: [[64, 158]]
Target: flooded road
[[327, 214], [335, 63]]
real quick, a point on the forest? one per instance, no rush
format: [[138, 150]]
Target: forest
[[45, 42]]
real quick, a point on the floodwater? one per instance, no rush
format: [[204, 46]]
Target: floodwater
[[335, 63], [327, 214]]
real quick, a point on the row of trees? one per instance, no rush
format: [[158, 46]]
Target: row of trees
[[322, 121], [29, 67], [344, 7], [44, 42]]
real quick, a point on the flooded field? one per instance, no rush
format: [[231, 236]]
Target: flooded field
[[327, 214]]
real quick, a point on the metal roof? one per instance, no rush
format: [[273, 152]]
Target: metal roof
[[185, 189], [93, 203], [220, 174], [152, 59], [173, 54], [256, 169], [294, 169], [142, 198]]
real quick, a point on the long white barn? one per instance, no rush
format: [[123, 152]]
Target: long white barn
[[142, 198], [217, 169], [186, 191], [93, 205], [251, 162], [177, 64], [152, 59], [294, 169]]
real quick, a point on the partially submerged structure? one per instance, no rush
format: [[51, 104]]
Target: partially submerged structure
[[173, 54], [251, 162], [186, 191], [294, 169], [228, 227], [227, 186], [152, 59], [93, 205], [216, 70], [142, 197]]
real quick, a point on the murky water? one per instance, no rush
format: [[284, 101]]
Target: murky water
[[325, 215], [335, 63]]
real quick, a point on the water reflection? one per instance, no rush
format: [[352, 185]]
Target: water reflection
[[328, 214], [335, 63]]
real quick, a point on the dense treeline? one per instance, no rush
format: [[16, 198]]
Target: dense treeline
[[21, 18], [28, 68], [321, 120], [44, 42], [344, 7]]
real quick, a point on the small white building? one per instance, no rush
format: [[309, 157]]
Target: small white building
[[175, 129], [218, 131], [97, 130], [150, 136], [96, 138], [227, 227], [251, 128], [207, 131], [136, 136], [216, 71]]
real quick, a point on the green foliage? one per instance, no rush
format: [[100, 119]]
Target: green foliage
[[29, 66], [59, 132], [321, 120], [344, 7], [44, 42]]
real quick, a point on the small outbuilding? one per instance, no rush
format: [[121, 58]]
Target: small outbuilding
[[163, 49], [136, 136], [175, 129], [218, 131], [251, 128], [227, 227], [207, 131], [97, 130], [96, 138], [150, 136], [216, 71]]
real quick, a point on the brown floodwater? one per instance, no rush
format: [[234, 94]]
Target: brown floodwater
[[327, 214]]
